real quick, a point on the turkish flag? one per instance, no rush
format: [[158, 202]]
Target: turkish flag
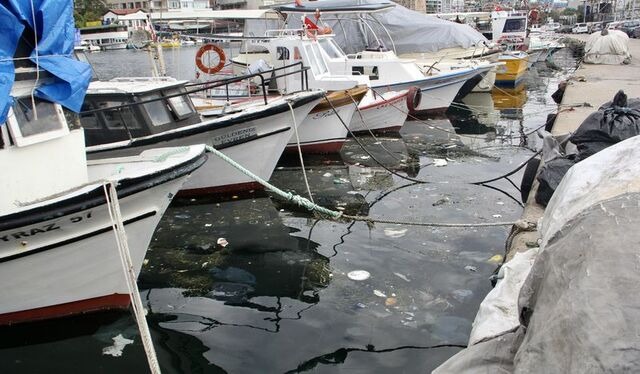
[[309, 24]]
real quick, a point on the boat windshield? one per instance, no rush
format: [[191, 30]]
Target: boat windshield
[[515, 25], [315, 59], [181, 106], [330, 48], [43, 119], [157, 110]]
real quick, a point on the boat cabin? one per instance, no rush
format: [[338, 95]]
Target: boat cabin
[[42, 155], [290, 48], [126, 108], [509, 28]]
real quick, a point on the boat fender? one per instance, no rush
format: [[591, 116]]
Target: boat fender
[[414, 97], [528, 177], [210, 69]]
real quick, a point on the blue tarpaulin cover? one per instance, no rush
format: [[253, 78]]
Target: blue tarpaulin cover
[[52, 21]]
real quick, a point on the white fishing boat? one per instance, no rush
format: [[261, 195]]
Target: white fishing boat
[[439, 83], [58, 253], [325, 129], [106, 37], [434, 44], [376, 111], [124, 116]]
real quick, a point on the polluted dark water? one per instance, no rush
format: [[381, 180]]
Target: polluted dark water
[[252, 284]]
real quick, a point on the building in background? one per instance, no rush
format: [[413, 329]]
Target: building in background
[[417, 5]]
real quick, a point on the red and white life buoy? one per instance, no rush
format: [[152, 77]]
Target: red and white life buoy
[[210, 69]]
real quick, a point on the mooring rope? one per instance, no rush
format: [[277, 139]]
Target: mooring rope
[[336, 215], [364, 123], [295, 130], [374, 158], [113, 207]]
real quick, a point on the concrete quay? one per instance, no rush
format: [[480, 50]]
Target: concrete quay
[[593, 85]]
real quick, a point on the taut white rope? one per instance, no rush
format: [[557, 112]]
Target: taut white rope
[[111, 195]]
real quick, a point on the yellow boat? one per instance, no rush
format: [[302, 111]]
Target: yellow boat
[[168, 43], [511, 74], [509, 98]]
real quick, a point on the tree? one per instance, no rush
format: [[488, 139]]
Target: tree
[[88, 10]]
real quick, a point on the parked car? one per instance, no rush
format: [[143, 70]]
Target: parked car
[[565, 29], [630, 26], [595, 27], [636, 33], [552, 26], [580, 28], [615, 25]]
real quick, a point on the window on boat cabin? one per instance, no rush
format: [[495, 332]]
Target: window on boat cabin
[[117, 117], [296, 54], [28, 126], [181, 106], [283, 53], [157, 110], [515, 25], [89, 120]]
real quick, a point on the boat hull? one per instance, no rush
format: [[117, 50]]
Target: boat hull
[[380, 114], [513, 72], [256, 144], [438, 92], [325, 130], [57, 267]]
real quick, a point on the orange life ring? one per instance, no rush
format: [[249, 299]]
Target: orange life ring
[[210, 69]]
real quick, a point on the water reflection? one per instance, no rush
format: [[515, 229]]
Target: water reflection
[[190, 253], [474, 114]]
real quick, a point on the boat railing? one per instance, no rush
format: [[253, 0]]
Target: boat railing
[[279, 72], [203, 86], [283, 32]]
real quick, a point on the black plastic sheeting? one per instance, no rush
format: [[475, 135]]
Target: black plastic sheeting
[[613, 122]]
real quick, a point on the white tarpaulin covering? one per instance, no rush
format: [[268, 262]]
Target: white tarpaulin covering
[[411, 31], [579, 310], [613, 172], [498, 312], [609, 49]]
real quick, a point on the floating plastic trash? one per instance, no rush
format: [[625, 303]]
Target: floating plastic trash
[[395, 233], [403, 277], [379, 293], [359, 275], [390, 301], [471, 268], [222, 242], [461, 295], [115, 350], [496, 259], [439, 162]]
